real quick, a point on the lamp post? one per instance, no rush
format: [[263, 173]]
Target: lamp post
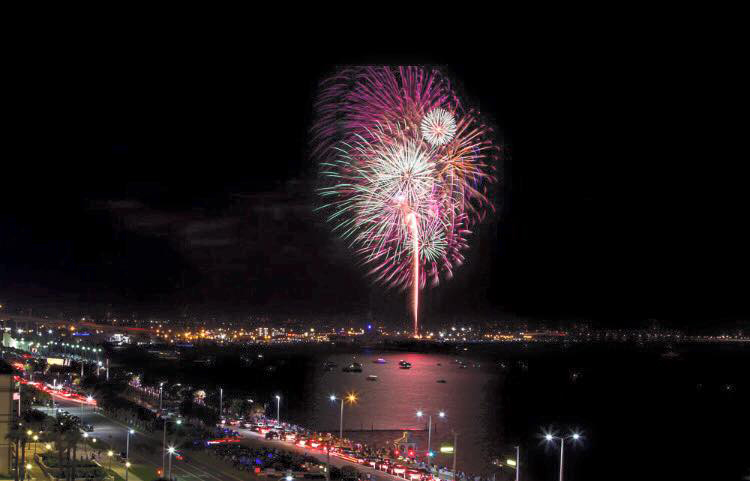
[[164, 443], [441, 414], [550, 437], [351, 398], [110, 454], [278, 409], [455, 451], [127, 452], [171, 452], [160, 395]]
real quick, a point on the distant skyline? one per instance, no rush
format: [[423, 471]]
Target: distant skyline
[[194, 193]]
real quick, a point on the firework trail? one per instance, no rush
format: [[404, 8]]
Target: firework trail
[[405, 170], [413, 228]]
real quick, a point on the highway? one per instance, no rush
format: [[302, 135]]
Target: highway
[[145, 449]]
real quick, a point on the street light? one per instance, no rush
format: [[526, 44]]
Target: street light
[[550, 437], [516, 463], [171, 452], [441, 414], [278, 409], [110, 453], [127, 452], [351, 398]]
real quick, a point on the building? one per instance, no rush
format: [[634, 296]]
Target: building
[[6, 416]]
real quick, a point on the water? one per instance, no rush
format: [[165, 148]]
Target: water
[[390, 404], [643, 415]]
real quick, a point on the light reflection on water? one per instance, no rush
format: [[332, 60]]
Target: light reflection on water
[[389, 404]]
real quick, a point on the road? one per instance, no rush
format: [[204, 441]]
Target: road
[[145, 449], [251, 438]]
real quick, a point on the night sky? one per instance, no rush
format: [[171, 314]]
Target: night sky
[[180, 182]]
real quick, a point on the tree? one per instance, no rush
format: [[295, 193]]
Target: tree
[[14, 436], [71, 438], [33, 421], [238, 407]]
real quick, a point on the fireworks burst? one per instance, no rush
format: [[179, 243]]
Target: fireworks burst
[[438, 127], [406, 171]]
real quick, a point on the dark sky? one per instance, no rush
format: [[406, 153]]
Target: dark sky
[[178, 180]]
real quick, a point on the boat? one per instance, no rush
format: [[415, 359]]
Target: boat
[[380, 360], [404, 365], [372, 377], [441, 381], [353, 367]]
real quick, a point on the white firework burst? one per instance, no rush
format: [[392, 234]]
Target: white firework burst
[[438, 127]]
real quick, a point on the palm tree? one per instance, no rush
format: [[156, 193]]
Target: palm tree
[[66, 436], [71, 439], [54, 435], [15, 435]]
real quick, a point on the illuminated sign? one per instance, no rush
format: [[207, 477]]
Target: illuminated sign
[[446, 449]]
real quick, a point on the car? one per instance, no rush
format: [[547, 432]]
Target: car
[[87, 427], [272, 435], [179, 457]]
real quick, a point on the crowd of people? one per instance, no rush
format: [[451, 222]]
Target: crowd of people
[[245, 458]]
